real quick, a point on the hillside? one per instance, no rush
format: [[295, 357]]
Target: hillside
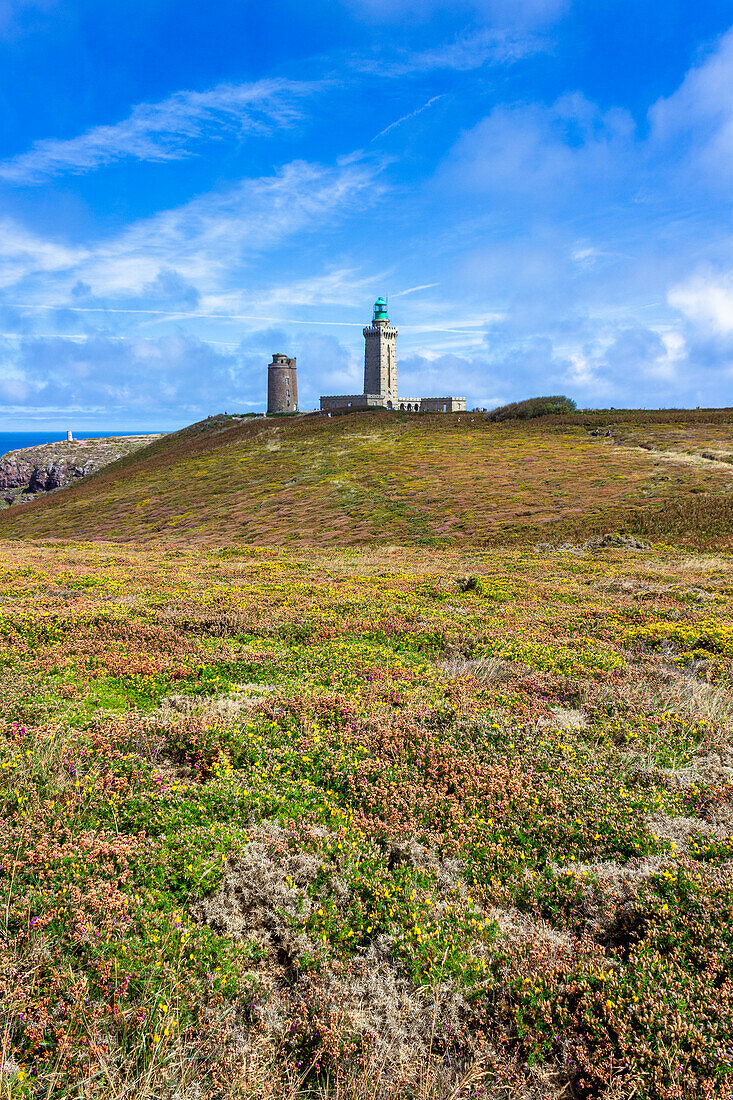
[[428, 480]]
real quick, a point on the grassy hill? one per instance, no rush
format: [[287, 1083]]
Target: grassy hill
[[428, 480]]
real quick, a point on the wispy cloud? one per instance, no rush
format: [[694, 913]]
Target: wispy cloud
[[212, 236], [467, 52], [24, 253], [167, 130], [199, 247]]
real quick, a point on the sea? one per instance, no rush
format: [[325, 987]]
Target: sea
[[12, 441]]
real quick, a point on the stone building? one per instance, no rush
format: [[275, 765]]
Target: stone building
[[442, 404], [282, 385], [380, 376]]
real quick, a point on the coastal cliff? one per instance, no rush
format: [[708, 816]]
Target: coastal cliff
[[33, 471]]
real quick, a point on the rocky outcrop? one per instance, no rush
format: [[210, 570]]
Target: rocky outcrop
[[33, 471]]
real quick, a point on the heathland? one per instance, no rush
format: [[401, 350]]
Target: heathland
[[392, 478], [449, 816]]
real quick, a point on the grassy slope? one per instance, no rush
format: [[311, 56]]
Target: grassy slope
[[400, 479], [421, 866]]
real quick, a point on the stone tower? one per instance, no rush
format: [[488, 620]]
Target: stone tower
[[282, 385], [380, 356]]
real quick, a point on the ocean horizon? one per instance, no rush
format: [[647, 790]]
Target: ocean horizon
[[13, 441]]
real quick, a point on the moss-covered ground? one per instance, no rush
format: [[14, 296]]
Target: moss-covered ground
[[365, 823]]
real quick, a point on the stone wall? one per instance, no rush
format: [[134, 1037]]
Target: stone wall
[[442, 404], [352, 401]]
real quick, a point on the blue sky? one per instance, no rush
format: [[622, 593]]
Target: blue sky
[[543, 188]]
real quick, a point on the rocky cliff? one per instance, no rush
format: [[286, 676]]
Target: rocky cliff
[[33, 471]]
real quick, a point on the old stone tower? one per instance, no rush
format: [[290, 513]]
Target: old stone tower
[[282, 385], [380, 356]]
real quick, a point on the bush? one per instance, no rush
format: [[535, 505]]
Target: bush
[[534, 406]]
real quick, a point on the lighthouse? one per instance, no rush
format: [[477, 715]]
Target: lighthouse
[[380, 376], [380, 356]]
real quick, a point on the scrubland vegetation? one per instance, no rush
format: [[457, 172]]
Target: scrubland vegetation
[[428, 480], [389, 822], [533, 407]]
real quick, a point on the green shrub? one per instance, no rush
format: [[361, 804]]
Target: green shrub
[[532, 407]]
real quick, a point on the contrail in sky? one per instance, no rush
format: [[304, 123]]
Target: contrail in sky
[[182, 315], [81, 336], [406, 118]]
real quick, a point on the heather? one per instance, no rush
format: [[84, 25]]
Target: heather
[[396, 822], [443, 480]]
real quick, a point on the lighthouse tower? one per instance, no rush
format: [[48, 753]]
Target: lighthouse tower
[[380, 356]]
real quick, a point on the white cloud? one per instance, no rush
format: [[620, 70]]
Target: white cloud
[[167, 130], [695, 123], [581, 374], [343, 287], [675, 356], [326, 366], [585, 255], [706, 299], [544, 153], [171, 373]]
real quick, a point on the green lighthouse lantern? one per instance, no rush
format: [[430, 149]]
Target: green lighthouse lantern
[[380, 310]]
